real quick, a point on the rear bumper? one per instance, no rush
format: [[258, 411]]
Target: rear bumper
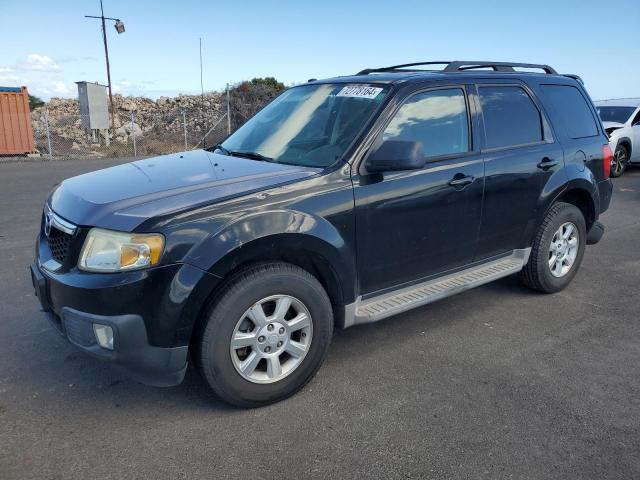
[[73, 307]]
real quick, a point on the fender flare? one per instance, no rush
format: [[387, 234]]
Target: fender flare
[[626, 140], [260, 236], [580, 183]]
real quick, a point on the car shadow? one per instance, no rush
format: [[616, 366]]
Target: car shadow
[[59, 367]]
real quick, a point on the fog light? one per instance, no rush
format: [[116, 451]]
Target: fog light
[[104, 335]]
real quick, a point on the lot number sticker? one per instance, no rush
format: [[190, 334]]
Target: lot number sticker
[[359, 91]]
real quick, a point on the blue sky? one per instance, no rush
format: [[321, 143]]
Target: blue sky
[[48, 45]]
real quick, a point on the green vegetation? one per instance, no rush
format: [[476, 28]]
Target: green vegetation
[[35, 102], [269, 82]]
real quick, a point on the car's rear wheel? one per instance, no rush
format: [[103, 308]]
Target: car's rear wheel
[[557, 250], [619, 161], [265, 335]]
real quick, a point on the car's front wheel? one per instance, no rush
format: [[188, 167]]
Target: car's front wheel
[[619, 161], [265, 335]]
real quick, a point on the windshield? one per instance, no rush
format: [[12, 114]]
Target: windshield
[[310, 125], [615, 114]]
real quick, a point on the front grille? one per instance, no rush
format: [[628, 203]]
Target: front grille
[[59, 242]]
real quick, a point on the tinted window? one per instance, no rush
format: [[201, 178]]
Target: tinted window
[[510, 117], [615, 114], [572, 110], [438, 119]]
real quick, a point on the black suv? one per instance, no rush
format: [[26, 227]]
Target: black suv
[[343, 201]]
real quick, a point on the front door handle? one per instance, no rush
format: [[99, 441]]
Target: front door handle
[[547, 163], [459, 181]]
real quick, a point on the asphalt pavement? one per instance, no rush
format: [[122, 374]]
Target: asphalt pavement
[[498, 382]]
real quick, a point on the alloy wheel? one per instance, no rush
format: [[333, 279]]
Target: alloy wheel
[[619, 160], [563, 249], [271, 339]]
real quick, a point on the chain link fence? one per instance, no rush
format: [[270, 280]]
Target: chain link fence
[[62, 136], [143, 127]]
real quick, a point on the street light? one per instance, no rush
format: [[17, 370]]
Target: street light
[[119, 26]]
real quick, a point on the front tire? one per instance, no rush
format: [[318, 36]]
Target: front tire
[[266, 335], [557, 249], [619, 161]]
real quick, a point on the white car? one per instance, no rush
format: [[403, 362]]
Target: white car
[[621, 120]]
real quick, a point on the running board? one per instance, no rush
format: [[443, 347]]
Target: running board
[[393, 303]]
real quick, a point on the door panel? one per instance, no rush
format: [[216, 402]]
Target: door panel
[[513, 185], [414, 224], [635, 154], [520, 155]]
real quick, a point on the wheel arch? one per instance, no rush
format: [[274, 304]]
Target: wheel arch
[[306, 241], [579, 192], [626, 141]]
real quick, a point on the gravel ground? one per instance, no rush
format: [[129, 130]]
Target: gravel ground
[[498, 382]]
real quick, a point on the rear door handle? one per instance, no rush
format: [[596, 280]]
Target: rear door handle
[[461, 181], [547, 163]]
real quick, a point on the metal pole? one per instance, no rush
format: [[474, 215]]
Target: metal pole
[[204, 118], [228, 113], [46, 124], [133, 135], [184, 123], [106, 54]]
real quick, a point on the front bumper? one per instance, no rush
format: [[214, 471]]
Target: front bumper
[[150, 312]]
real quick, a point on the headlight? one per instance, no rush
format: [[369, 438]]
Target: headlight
[[107, 251]]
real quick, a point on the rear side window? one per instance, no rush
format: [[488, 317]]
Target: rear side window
[[438, 119], [572, 110], [510, 117]]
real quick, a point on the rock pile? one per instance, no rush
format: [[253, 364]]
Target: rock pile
[[135, 116]]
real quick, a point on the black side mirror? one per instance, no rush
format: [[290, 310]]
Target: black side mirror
[[394, 155]]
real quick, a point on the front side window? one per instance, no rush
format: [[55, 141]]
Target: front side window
[[615, 114], [510, 117], [438, 119], [310, 125]]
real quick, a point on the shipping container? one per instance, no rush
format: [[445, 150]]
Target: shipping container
[[16, 136]]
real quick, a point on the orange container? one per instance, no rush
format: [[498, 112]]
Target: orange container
[[16, 136]]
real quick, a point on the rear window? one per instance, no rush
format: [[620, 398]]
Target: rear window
[[572, 109], [510, 117]]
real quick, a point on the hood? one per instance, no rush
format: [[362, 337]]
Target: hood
[[124, 196], [611, 127]]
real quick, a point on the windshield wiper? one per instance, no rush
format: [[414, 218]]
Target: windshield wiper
[[219, 147], [239, 153], [251, 155]]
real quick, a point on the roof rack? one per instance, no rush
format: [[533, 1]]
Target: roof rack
[[367, 71], [461, 66]]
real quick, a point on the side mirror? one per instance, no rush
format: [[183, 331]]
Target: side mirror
[[394, 155]]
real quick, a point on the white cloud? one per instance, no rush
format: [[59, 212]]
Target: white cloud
[[61, 88], [7, 74], [38, 63]]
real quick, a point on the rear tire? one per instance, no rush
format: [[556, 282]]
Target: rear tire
[[620, 161], [284, 316], [557, 250]]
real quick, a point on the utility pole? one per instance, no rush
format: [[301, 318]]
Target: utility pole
[[119, 26], [228, 112], [203, 116]]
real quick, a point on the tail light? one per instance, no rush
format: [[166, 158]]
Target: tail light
[[607, 157]]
